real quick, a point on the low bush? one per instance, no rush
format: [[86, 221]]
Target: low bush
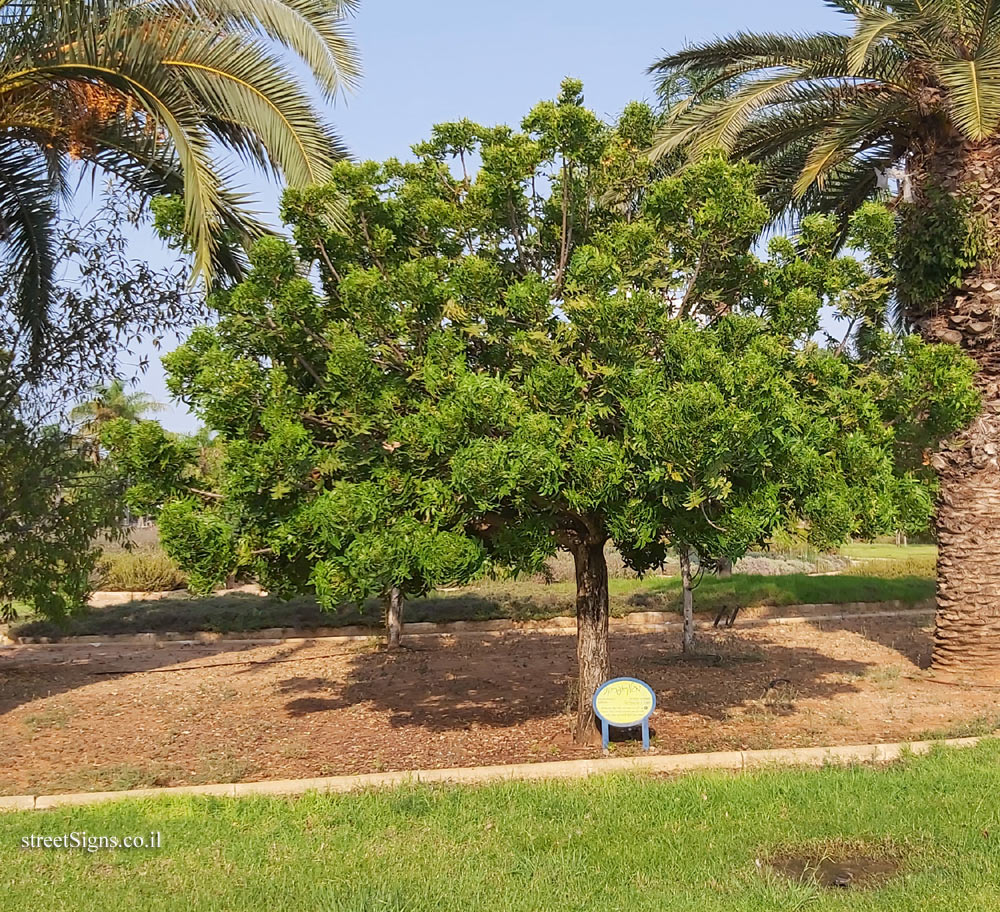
[[756, 564], [922, 567], [142, 570]]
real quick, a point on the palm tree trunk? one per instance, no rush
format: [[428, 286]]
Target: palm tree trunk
[[967, 636]]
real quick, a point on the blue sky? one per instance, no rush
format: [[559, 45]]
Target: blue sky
[[448, 59]]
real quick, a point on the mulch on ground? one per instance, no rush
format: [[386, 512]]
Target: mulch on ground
[[76, 718]]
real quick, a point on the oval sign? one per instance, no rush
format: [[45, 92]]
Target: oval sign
[[624, 702]]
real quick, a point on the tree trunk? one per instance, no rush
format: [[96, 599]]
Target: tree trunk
[[592, 656], [394, 618], [968, 514], [725, 568], [687, 639], [967, 638]]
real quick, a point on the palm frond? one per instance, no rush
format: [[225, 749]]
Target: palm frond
[[760, 52], [27, 222], [718, 124], [974, 91], [149, 89], [315, 30], [242, 85], [874, 24], [867, 121]]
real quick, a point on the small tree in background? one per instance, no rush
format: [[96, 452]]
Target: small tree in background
[[109, 402], [54, 502], [557, 352]]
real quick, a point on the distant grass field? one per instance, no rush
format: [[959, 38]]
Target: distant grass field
[[696, 844], [889, 551], [521, 600]]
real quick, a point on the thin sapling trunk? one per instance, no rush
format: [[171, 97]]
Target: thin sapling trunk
[[687, 641], [394, 617]]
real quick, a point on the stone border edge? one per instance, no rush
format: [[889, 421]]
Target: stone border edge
[[637, 621], [560, 769]]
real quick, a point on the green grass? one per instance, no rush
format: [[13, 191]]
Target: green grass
[[888, 551], [521, 600], [609, 843]]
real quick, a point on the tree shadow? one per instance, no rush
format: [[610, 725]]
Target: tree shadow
[[506, 680], [906, 635], [29, 673]]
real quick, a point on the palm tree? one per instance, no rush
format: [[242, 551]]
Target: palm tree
[[150, 91], [109, 403], [915, 87]]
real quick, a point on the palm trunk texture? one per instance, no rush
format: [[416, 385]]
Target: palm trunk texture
[[967, 638]]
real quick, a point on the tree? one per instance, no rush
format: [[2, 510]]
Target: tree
[[53, 501], [299, 516], [110, 402], [555, 352], [827, 116], [51, 509], [147, 92]]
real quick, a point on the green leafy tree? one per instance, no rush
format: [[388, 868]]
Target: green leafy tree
[[553, 353], [915, 87], [148, 92], [53, 501], [110, 401], [52, 506]]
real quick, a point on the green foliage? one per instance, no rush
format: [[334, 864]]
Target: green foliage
[[149, 93], [202, 539], [55, 497], [558, 350], [791, 102], [941, 239], [52, 506]]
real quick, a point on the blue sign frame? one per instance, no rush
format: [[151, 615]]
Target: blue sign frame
[[644, 721]]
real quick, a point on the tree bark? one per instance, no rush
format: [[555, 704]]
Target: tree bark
[[725, 569], [967, 635], [687, 638], [394, 618], [592, 655]]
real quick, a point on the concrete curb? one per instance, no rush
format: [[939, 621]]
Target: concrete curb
[[636, 622], [563, 769]]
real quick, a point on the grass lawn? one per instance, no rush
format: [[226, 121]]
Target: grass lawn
[[889, 551], [615, 843], [521, 600]]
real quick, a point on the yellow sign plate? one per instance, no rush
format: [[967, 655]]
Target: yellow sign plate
[[624, 702]]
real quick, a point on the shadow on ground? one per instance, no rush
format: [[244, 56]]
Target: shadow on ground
[[505, 680]]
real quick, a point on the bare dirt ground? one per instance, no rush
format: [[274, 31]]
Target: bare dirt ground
[[96, 717]]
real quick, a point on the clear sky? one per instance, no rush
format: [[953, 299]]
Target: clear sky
[[447, 59]]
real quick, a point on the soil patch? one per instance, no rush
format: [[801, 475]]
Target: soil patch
[[846, 872], [89, 717]]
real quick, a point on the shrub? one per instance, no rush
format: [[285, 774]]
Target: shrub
[[768, 565], [143, 570], [924, 567]]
